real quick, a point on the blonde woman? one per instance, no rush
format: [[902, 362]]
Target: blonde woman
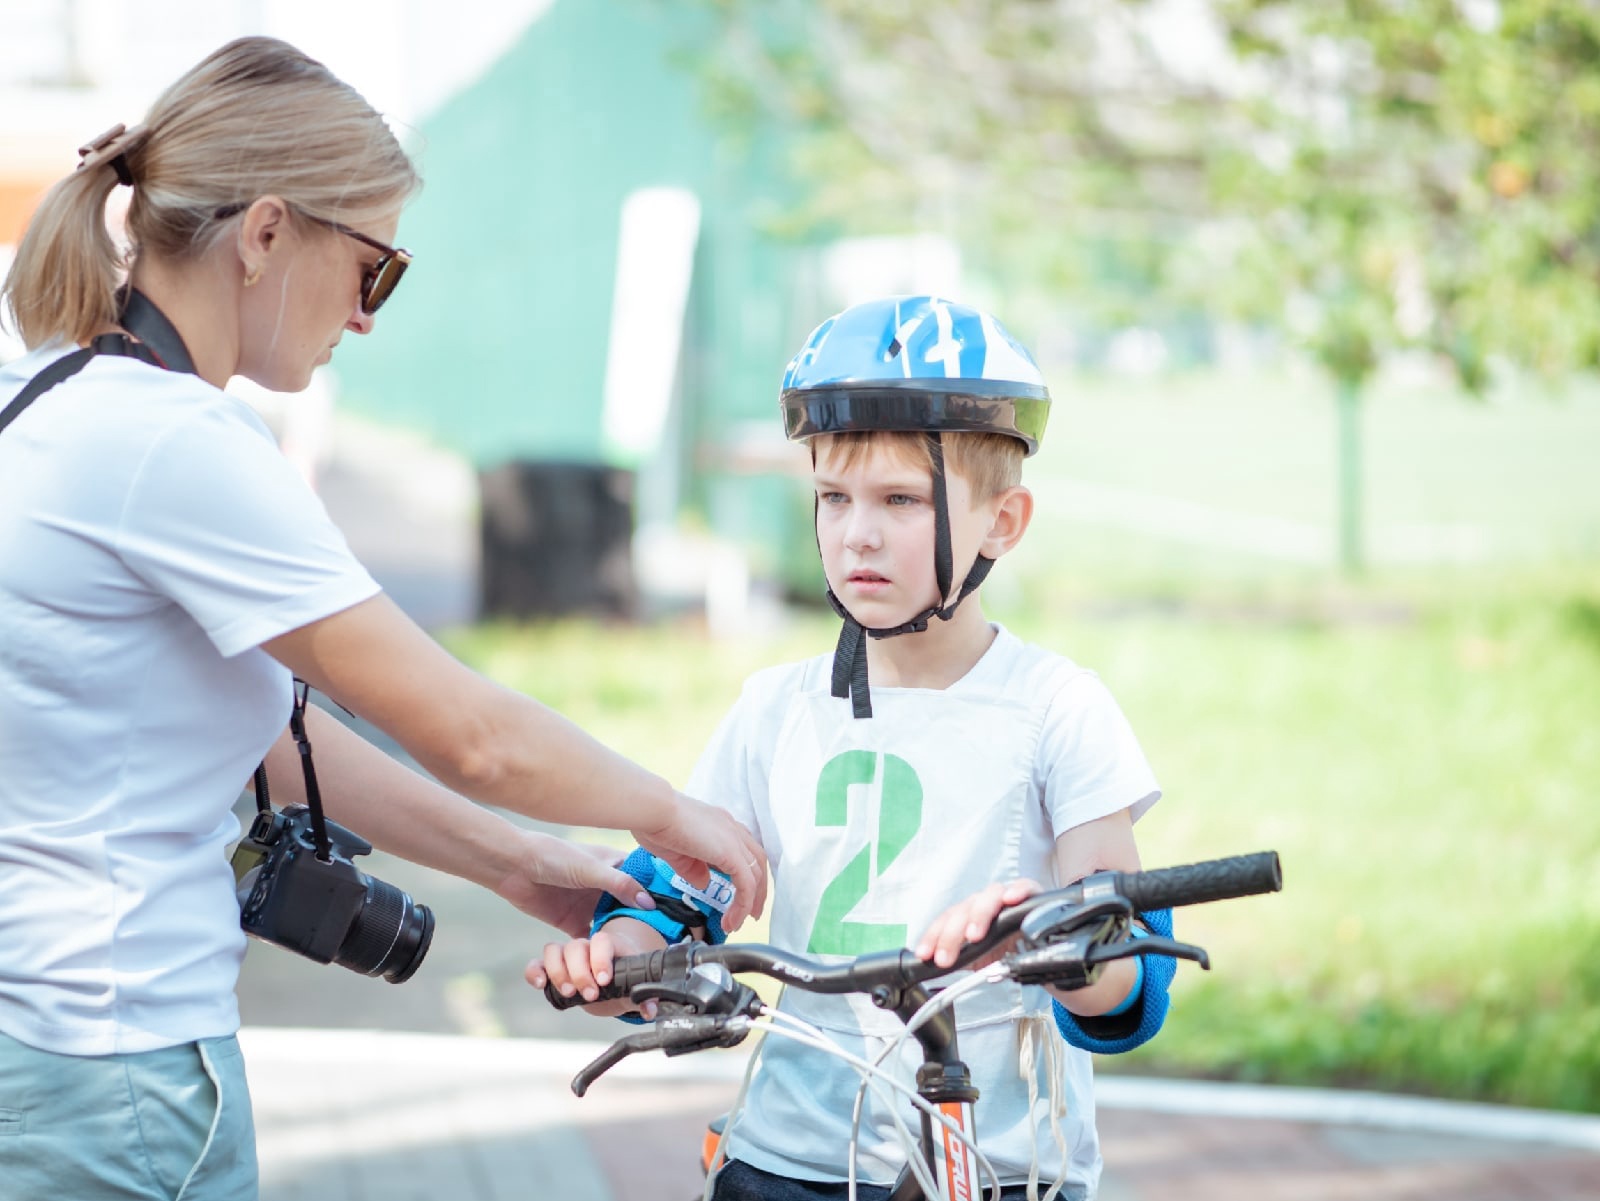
[[164, 572]]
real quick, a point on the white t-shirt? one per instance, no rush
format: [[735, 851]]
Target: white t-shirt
[[151, 538], [873, 828]]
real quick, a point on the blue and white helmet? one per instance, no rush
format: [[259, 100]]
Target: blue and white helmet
[[917, 364]]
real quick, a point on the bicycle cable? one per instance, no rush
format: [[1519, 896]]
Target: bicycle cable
[[876, 1077]]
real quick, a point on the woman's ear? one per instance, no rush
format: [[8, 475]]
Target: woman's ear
[[261, 232], [1013, 511]]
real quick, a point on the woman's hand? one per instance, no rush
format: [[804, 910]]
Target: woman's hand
[[560, 882], [583, 966], [969, 920], [698, 837]]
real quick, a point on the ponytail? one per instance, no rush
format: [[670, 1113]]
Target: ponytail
[[256, 117], [63, 281]]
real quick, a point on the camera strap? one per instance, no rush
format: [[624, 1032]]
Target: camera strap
[[158, 343], [297, 728]]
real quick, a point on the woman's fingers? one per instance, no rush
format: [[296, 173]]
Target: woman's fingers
[[700, 835]]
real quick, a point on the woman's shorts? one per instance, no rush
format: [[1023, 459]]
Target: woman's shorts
[[156, 1126]]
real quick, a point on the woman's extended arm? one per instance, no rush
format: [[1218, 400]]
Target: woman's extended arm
[[503, 748], [408, 815]]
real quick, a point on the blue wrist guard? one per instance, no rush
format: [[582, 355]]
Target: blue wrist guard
[[681, 911]]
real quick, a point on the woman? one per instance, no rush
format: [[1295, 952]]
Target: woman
[[163, 573]]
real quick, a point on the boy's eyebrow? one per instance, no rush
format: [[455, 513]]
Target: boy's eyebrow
[[910, 483]]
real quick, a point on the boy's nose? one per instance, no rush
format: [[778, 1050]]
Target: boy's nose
[[862, 532]]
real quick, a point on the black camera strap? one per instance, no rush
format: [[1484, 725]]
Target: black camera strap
[[158, 343], [297, 727]]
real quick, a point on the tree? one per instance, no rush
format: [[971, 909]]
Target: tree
[[1363, 175]]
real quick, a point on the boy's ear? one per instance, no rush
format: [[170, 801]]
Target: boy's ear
[[1013, 512]]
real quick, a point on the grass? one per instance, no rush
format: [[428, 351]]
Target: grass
[[1423, 763]]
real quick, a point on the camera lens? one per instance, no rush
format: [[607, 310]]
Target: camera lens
[[389, 936]]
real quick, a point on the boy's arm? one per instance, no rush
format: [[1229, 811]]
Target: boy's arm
[[583, 965], [1128, 1004]]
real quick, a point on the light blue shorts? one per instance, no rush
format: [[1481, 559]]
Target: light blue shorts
[[156, 1126]]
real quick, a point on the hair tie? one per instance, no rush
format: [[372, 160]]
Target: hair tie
[[110, 147]]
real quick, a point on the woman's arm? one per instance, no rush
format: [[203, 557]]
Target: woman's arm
[[408, 815], [506, 749]]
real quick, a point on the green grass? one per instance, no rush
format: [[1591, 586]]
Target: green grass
[[1425, 764]]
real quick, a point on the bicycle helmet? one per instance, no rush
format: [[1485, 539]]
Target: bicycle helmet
[[916, 364]]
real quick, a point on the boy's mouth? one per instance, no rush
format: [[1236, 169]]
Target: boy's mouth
[[862, 576]]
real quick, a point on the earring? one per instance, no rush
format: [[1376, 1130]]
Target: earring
[[252, 276]]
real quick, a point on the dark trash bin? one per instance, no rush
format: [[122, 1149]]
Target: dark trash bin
[[556, 540]]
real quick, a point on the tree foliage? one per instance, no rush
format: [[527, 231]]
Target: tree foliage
[[1365, 175]]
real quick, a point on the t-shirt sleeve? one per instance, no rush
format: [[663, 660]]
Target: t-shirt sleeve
[[1090, 764], [219, 521]]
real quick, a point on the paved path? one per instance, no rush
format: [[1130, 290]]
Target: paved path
[[363, 1116]]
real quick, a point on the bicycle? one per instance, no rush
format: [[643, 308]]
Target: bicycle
[[1065, 937]]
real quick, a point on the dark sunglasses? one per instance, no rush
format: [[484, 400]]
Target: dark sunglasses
[[378, 280]]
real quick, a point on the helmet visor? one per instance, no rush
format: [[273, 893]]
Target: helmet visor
[[1017, 410]]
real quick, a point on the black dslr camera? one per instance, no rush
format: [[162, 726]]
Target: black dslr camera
[[325, 909]]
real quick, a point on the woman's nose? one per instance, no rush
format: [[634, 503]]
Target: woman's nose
[[360, 322]]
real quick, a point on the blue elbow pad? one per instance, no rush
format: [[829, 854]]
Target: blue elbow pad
[[1139, 1019]]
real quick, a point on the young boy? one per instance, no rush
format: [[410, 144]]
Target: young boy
[[935, 770]]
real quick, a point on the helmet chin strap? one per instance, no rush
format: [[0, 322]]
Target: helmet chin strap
[[850, 656]]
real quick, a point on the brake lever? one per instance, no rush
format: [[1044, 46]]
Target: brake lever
[[709, 988], [1152, 944], [1062, 919], [675, 1034]]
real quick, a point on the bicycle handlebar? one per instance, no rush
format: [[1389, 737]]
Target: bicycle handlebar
[[1162, 888]]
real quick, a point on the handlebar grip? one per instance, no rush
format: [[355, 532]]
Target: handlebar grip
[[1194, 883], [626, 971]]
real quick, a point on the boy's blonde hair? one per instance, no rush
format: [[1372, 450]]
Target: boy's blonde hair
[[990, 463], [256, 117]]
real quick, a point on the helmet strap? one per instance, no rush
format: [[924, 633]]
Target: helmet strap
[[850, 655]]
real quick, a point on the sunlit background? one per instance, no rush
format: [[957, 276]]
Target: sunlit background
[[1315, 295]]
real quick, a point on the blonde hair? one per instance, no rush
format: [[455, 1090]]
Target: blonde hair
[[256, 117], [990, 463]]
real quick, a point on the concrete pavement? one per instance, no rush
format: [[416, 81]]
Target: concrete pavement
[[371, 1116]]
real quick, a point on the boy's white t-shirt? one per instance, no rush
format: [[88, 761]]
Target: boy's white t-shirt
[[152, 536], [873, 828]]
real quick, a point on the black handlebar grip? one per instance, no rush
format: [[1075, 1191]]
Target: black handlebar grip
[[1194, 883], [626, 971]]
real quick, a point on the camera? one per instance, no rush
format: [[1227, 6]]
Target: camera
[[325, 909]]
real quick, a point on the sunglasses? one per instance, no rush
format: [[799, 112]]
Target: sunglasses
[[378, 280]]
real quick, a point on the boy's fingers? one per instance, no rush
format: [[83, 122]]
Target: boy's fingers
[[555, 969], [601, 954], [576, 958]]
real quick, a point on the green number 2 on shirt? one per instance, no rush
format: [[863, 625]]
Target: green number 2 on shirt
[[899, 815]]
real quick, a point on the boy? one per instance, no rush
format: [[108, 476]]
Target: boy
[[929, 775]]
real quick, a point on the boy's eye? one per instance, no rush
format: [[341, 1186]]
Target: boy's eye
[[900, 498], [831, 498]]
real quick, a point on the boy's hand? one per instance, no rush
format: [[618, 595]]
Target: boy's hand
[[700, 837], [583, 966], [969, 920]]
